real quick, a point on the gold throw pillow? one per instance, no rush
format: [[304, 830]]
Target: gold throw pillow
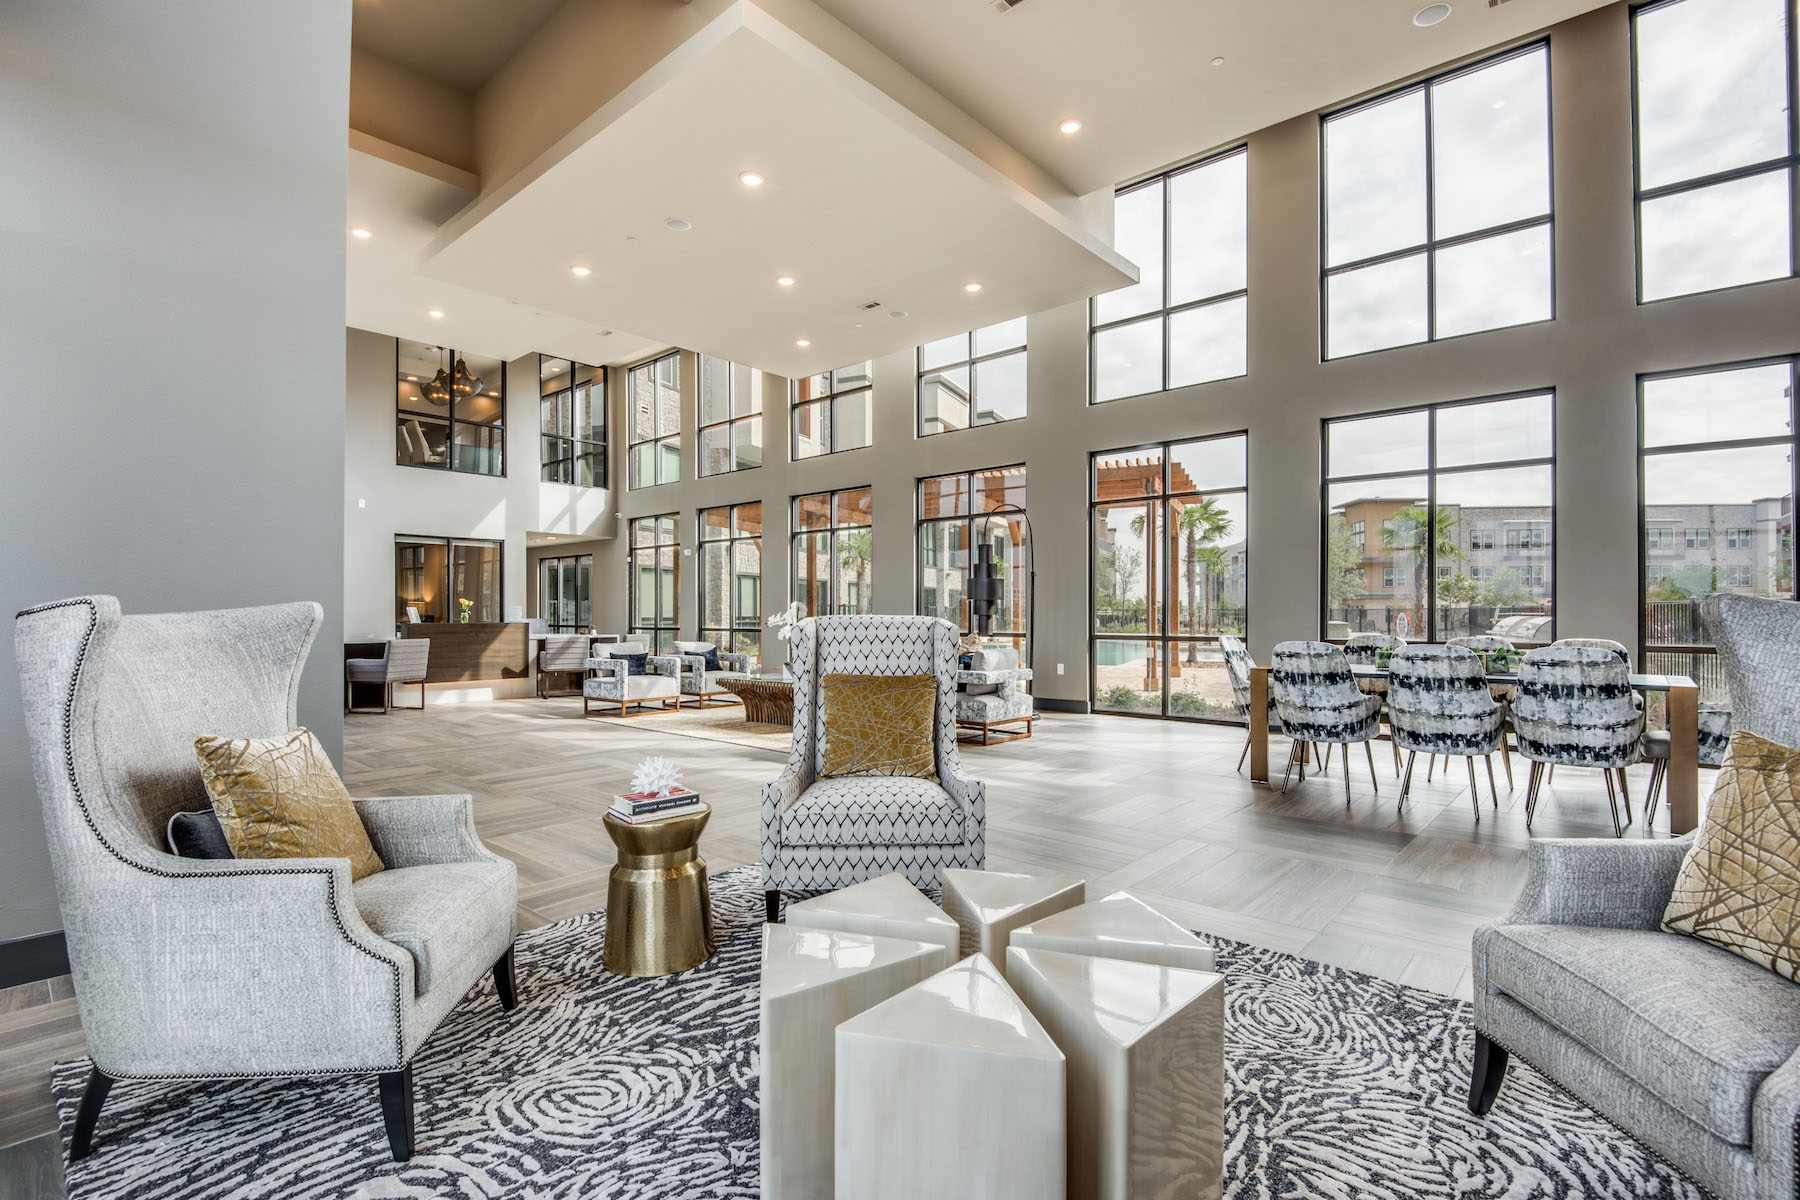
[[879, 725], [1739, 887], [280, 797]]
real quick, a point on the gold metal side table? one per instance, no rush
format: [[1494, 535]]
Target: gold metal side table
[[658, 911]]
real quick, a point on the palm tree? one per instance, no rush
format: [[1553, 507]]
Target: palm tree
[[854, 552], [1404, 532], [1203, 523]]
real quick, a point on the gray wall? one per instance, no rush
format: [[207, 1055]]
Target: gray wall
[[1591, 354], [172, 332]]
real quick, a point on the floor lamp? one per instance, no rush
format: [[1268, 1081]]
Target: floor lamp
[[982, 589]]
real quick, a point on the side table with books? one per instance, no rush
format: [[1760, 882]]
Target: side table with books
[[658, 910]]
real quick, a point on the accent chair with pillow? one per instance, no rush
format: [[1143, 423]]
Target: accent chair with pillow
[[628, 675], [1654, 981], [701, 665], [990, 694], [821, 832], [246, 967]]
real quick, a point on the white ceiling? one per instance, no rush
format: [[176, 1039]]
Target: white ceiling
[[1138, 73], [458, 43], [864, 201], [404, 211]]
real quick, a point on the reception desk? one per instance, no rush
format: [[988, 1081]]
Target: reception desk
[[476, 652]]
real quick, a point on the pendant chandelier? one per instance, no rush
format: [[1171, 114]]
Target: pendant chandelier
[[464, 382], [438, 390]]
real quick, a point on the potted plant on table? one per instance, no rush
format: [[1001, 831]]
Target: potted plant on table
[[465, 604]]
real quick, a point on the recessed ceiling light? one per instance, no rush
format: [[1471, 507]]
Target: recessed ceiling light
[[436, 314], [415, 379], [1070, 126], [897, 313], [971, 288], [750, 179], [678, 224], [360, 232], [581, 272], [802, 343], [1219, 61], [1430, 15], [785, 280], [497, 393]]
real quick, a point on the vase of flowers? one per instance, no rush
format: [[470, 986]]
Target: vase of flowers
[[465, 604], [783, 623]]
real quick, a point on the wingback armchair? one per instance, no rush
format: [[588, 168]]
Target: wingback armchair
[[1691, 1049], [820, 834], [188, 968], [1759, 646]]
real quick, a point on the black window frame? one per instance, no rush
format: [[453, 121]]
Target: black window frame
[[1432, 244], [449, 544], [1429, 602], [1166, 310], [836, 529], [559, 452], [632, 441], [730, 423], [971, 360], [1790, 162], [830, 402], [967, 522], [664, 629], [448, 417], [552, 625], [750, 629]]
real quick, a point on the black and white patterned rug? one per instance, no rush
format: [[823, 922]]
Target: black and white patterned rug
[[1341, 1085]]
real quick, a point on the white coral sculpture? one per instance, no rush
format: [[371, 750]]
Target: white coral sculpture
[[656, 777], [784, 621]]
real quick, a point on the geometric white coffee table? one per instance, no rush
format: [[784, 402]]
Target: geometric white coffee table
[[812, 980], [889, 906], [1118, 926], [950, 1090], [1145, 1047], [989, 905]]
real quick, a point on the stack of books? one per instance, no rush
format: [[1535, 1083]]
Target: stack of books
[[638, 808]]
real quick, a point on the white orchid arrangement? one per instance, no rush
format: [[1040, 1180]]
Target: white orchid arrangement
[[784, 621], [655, 777]]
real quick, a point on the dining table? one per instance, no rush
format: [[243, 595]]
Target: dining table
[[1682, 707]]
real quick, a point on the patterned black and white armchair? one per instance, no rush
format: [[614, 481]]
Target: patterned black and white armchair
[[701, 665], [990, 692], [1576, 708], [617, 678], [1320, 704], [822, 834]]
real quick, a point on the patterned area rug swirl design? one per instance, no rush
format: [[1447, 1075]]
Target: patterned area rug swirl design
[[1341, 1085]]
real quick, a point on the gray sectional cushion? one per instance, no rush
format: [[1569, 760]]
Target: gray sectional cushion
[[440, 914], [1696, 1025]]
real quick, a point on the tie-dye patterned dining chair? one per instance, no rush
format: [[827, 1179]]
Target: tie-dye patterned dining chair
[[1576, 708], [1319, 704], [1438, 703]]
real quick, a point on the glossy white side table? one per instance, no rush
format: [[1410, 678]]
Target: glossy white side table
[[886, 907], [950, 1091], [1118, 926], [812, 980], [1146, 1083], [988, 905]]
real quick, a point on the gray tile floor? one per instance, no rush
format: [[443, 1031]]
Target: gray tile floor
[[1155, 807]]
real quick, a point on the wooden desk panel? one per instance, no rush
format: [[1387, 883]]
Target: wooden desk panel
[[466, 653]]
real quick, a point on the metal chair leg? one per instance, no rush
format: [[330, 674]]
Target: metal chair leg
[[1531, 792], [1368, 750], [1430, 765], [1395, 744], [1625, 793], [1506, 761], [1345, 756], [1657, 768], [1406, 779], [1293, 753], [1493, 792], [1245, 754], [1612, 799], [1474, 792]]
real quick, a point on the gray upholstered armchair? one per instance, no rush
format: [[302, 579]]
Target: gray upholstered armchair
[[699, 682], [611, 681], [991, 693], [189, 968], [819, 834], [1688, 1047], [402, 660], [1759, 646]]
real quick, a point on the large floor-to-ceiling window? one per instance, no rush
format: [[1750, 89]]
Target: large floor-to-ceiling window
[[435, 576], [834, 551], [731, 550], [1715, 92], [654, 393], [1440, 521], [571, 422], [1718, 503], [731, 422], [565, 592], [1186, 320], [1437, 207], [1170, 562], [975, 378], [655, 580], [831, 411], [450, 409], [957, 515]]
